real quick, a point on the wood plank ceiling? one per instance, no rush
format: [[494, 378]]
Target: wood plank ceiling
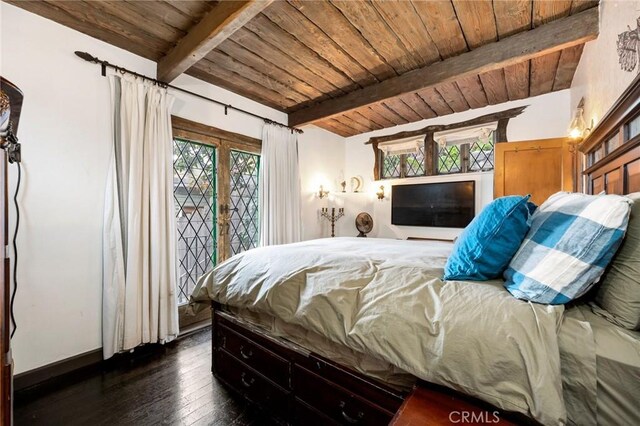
[[295, 54]]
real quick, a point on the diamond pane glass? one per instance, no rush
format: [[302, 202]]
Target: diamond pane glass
[[244, 226], [449, 160], [390, 166], [194, 192], [481, 155], [415, 163]]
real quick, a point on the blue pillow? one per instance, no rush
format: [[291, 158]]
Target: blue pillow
[[485, 247]]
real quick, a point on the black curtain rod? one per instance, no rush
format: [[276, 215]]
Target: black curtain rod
[[104, 64]]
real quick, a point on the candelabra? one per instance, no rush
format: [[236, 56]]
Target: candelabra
[[333, 217]]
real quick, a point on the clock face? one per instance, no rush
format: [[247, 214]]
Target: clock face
[[364, 222]]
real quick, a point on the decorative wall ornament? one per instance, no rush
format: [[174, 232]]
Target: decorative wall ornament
[[322, 192], [356, 183], [628, 47]]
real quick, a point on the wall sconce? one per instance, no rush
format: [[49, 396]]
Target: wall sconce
[[322, 193], [380, 193], [578, 127]]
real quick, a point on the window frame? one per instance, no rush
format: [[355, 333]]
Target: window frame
[[431, 147], [223, 141]]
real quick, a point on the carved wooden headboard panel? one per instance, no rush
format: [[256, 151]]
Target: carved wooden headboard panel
[[612, 149]]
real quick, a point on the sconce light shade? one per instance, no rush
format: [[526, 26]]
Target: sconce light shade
[[380, 193], [578, 127], [322, 193]]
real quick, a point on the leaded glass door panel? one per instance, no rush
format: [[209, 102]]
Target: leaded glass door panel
[[194, 192], [243, 222]]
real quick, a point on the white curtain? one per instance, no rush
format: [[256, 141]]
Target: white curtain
[[139, 243], [279, 187]]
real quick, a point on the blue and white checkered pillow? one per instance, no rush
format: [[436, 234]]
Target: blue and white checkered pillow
[[572, 239]]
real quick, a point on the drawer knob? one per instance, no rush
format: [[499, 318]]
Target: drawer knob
[[347, 417], [247, 383], [245, 354]]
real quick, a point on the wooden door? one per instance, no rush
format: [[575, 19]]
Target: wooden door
[[537, 167]]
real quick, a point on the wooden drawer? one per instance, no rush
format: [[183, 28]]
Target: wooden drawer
[[304, 415], [368, 389], [250, 383], [254, 355], [335, 401]]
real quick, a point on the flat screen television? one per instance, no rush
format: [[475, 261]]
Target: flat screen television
[[445, 204]]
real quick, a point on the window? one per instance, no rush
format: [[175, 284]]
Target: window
[[194, 192], [414, 163], [444, 149], [470, 150], [244, 225], [449, 159], [481, 154], [215, 181], [403, 157], [391, 166]]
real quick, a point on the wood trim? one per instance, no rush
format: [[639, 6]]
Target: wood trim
[[213, 132], [623, 108], [196, 137], [500, 117], [555, 36], [622, 150], [223, 20], [54, 370], [223, 183], [616, 172]]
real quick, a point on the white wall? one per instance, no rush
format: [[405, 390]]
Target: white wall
[[546, 116], [321, 155], [66, 142], [599, 78]]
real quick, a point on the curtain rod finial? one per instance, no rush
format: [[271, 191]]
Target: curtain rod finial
[[86, 56]]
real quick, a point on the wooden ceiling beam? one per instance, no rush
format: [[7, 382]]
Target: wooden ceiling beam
[[552, 37], [216, 26]]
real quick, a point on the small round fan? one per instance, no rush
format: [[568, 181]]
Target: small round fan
[[364, 224]]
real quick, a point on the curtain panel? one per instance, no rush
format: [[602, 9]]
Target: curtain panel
[[139, 241], [279, 187]]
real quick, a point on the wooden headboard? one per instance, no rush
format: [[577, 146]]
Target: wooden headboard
[[612, 149]]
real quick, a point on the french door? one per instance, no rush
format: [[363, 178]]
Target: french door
[[216, 197]]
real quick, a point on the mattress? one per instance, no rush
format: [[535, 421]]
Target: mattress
[[617, 355]]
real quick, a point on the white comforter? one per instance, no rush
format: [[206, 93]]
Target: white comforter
[[385, 298]]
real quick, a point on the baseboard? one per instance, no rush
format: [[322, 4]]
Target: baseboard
[[89, 361], [42, 374]]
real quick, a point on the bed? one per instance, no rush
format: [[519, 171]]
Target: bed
[[337, 330]]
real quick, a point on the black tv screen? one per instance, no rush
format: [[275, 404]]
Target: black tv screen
[[446, 204]]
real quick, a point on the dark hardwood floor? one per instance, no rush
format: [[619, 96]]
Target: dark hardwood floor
[[170, 384]]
